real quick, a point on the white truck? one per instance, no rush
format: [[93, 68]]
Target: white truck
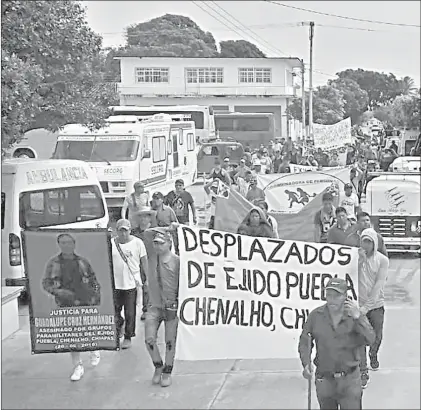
[[156, 150], [393, 202]]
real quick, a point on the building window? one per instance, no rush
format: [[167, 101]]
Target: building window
[[152, 75], [204, 75], [191, 142], [254, 75]]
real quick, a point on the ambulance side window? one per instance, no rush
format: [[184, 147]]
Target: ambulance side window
[[180, 136], [190, 141], [159, 149]]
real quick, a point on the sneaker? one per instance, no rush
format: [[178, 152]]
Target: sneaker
[[77, 373], [166, 380], [127, 343], [374, 363], [95, 358], [156, 379], [143, 316], [365, 379]]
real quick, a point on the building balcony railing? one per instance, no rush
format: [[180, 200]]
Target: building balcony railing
[[201, 90]]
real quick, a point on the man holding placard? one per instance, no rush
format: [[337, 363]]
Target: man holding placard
[[340, 331]]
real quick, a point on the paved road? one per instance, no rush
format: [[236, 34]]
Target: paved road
[[122, 380]]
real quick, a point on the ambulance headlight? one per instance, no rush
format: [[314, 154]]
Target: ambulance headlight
[[416, 226]]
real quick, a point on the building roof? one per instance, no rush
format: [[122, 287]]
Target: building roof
[[211, 58]]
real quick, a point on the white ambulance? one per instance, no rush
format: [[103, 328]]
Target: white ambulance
[[156, 150], [393, 202], [45, 194]]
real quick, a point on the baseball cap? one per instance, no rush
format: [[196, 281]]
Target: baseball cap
[[158, 195], [242, 160], [226, 159], [348, 185], [179, 182], [123, 224], [161, 235], [138, 184], [337, 284]]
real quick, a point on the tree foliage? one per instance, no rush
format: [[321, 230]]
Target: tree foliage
[[240, 49], [170, 36], [406, 110], [52, 68], [328, 106], [381, 88], [355, 98]]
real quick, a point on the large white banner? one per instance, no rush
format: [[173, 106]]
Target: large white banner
[[332, 136], [247, 298], [289, 193]]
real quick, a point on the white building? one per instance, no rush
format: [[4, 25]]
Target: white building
[[226, 84]]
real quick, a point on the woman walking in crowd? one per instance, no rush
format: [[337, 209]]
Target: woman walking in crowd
[[256, 224]]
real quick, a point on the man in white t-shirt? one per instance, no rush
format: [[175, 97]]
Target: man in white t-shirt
[[351, 203], [212, 189], [129, 254]]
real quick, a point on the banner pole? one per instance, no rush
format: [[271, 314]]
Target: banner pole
[[310, 379]]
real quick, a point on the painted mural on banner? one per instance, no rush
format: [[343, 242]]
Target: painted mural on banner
[[71, 283], [332, 136], [290, 193], [240, 288]]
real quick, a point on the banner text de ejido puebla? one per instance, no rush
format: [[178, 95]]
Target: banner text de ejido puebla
[[247, 298]]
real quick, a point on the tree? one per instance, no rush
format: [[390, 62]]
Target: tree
[[406, 86], [170, 36], [239, 49], [52, 68], [355, 99], [406, 111], [381, 88], [328, 106]]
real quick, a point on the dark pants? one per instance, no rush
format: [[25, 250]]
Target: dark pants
[[211, 224], [344, 392], [126, 299], [376, 319]]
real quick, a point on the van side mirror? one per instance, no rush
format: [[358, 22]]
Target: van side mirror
[[146, 153]]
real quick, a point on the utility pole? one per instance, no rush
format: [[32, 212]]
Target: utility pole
[[310, 98], [303, 101]]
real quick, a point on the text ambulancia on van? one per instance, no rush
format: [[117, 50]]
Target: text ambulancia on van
[[393, 201], [156, 150], [45, 194]]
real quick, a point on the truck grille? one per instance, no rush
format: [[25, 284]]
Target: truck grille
[[392, 227], [104, 186]]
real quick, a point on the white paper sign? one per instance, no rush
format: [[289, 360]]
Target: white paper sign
[[332, 136], [247, 298]]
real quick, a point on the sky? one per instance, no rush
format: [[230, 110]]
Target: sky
[[277, 30]]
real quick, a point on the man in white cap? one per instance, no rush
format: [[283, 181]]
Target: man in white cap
[[135, 201], [129, 255], [163, 303], [241, 170], [212, 188]]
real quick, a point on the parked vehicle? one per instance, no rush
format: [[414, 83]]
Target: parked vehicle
[[45, 194]]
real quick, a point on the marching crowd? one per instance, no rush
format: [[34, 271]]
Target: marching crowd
[[146, 265]]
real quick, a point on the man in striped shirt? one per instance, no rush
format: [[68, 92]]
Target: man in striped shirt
[[372, 274]]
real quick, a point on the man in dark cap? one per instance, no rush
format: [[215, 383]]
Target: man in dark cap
[[163, 282], [340, 331]]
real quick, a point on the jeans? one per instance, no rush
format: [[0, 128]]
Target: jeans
[[376, 319], [145, 294], [127, 299], [345, 392], [154, 318]]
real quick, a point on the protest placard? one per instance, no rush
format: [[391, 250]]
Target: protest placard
[[242, 297], [289, 193], [332, 136], [71, 285]]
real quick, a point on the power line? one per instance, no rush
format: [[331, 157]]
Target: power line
[[242, 31], [342, 17], [247, 28]]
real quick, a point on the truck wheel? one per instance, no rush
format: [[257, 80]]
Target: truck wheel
[[23, 153]]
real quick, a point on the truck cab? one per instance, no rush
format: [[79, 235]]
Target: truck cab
[[393, 201]]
